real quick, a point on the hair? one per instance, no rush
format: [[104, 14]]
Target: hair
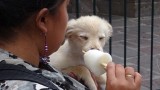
[[14, 13]]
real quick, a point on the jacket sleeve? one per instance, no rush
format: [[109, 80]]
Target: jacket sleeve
[[22, 85]]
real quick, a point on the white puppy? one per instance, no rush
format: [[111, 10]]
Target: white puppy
[[83, 34]]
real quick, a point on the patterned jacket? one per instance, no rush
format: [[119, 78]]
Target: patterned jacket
[[57, 78]]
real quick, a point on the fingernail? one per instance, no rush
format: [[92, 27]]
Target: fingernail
[[111, 63]]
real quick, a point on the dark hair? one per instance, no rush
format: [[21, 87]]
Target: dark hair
[[14, 13]]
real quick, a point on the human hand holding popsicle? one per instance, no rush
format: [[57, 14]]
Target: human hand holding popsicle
[[118, 77]]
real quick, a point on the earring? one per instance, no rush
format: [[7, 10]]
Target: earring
[[45, 58]]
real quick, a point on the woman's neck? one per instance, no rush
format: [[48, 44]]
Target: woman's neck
[[24, 48]]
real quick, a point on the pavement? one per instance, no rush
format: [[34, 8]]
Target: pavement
[[132, 47]]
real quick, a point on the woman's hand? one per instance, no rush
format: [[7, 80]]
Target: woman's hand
[[120, 78]]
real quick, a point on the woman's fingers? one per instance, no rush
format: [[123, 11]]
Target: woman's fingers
[[120, 78], [138, 79], [111, 71], [129, 74], [120, 72]]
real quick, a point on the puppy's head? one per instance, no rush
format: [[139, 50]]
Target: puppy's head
[[88, 32]]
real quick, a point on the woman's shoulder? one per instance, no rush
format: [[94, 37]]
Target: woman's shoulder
[[21, 74]]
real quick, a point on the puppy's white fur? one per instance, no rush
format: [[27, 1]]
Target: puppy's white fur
[[84, 33]]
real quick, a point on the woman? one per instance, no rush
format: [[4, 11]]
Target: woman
[[30, 30]]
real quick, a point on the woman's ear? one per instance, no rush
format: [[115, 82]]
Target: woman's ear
[[41, 19]]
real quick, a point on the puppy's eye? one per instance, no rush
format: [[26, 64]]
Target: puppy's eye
[[84, 37], [101, 38]]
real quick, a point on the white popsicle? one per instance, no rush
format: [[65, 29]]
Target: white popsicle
[[96, 60]]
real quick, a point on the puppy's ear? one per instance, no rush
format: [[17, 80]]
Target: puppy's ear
[[70, 28], [109, 30]]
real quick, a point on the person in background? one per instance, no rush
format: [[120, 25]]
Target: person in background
[[30, 30]]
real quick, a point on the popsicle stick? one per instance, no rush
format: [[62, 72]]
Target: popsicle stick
[[104, 65], [83, 51]]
